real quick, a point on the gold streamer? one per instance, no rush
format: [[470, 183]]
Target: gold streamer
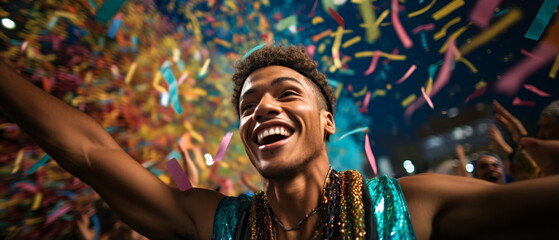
[[423, 10], [408, 100], [513, 16], [449, 8], [554, 68], [351, 42], [441, 33]]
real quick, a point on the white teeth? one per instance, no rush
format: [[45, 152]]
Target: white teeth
[[273, 131]]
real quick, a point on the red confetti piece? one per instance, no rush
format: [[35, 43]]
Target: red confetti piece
[[519, 102], [59, 212], [427, 98], [366, 101], [313, 9], [535, 90], [337, 17], [370, 155], [424, 27], [476, 93]]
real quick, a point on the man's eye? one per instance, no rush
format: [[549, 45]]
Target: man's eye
[[288, 93], [247, 107]]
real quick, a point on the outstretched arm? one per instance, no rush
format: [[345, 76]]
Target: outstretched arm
[[83, 148], [511, 123]]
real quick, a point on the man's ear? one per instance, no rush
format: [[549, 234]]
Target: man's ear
[[329, 124]]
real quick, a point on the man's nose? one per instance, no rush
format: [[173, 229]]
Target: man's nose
[[268, 107]]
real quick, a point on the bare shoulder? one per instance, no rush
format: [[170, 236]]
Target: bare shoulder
[[201, 205]]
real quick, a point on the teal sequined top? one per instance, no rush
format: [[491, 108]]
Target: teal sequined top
[[387, 213]]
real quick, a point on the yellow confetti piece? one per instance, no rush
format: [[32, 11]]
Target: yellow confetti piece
[[454, 36], [382, 16], [480, 84], [339, 90], [156, 81], [222, 42], [360, 93], [351, 41], [441, 33], [165, 179], [336, 47], [321, 35], [193, 133], [37, 201], [31, 221], [130, 73], [176, 55], [423, 10], [204, 68], [379, 93], [17, 163], [554, 68], [468, 64], [429, 85], [343, 32], [408, 100], [388, 86], [513, 16], [372, 32], [317, 20], [449, 8], [390, 56]]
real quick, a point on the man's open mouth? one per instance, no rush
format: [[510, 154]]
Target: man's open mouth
[[273, 134]]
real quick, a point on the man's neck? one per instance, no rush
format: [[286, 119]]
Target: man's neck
[[292, 199]]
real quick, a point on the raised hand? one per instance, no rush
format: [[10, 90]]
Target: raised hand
[[511, 123]]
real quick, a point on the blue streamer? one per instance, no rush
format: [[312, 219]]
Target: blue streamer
[[254, 49], [115, 26], [44, 160], [424, 40], [96, 226], [542, 19], [173, 86]]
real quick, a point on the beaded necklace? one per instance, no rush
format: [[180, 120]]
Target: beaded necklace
[[341, 212]]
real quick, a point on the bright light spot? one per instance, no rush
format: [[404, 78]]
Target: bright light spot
[[209, 159], [468, 131], [453, 112], [8, 23], [408, 165], [469, 167], [458, 134], [434, 141]]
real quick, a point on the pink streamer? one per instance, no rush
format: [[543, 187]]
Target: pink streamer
[[374, 63], [529, 54], [407, 75], [406, 41], [427, 98], [313, 9], [476, 93], [483, 11], [310, 50], [366, 100], [182, 78], [514, 77], [519, 102], [536, 90], [442, 78], [27, 187], [61, 211], [370, 155], [424, 27], [178, 175], [223, 146]]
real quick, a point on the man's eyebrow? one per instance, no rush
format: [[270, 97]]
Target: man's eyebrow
[[273, 83]]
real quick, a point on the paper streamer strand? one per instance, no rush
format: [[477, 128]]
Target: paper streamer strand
[[337, 17], [44, 160], [178, 175], [354, 131], [223, 146], [514, 77], [407, 75], [536, 90], [427, 98], [406, 41], [370, 155], [374, 62]]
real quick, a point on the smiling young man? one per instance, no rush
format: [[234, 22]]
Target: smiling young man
[[286, 112]]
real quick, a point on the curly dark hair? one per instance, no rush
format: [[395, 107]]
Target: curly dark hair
[[292, 57]]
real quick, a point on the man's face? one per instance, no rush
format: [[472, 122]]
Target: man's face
[[488, 168], [282, 126], [548, 128]]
